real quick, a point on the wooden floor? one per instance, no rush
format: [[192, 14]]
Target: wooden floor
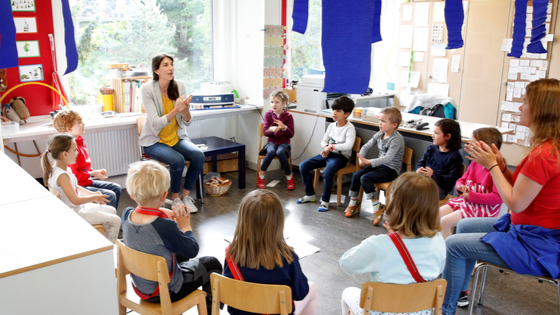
[[334, 234]]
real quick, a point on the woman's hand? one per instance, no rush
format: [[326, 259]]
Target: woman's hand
[[483, 154], [181, 104]]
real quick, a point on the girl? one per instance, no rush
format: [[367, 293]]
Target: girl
[[260, 254], [442, 160], [480, 197], [279, 128], [60, 178], [164, 136], [412, 215]]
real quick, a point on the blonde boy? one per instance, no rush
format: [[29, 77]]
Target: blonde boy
[[70, 121], [385, 168], [151, 229]]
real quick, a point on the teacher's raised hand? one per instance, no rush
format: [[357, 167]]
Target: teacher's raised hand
[[483, 154]]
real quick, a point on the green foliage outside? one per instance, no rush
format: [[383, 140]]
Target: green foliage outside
[[306, 49], [182, 28]]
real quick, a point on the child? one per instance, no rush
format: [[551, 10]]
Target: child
[[71, 122], [413, 216], [60, 178], [480, 197], [151, 229], [269, 260], [337, 146], [279, 128], [442, 160], [383, 169]]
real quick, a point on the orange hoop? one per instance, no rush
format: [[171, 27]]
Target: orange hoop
[[38, 83]]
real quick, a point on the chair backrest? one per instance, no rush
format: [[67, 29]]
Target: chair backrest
[[140, 124], [356, 148], [250, 297], [146, 266], [403, 298], [261, 135], [407, 158]]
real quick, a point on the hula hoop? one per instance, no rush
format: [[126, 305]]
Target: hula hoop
[[37, 83]]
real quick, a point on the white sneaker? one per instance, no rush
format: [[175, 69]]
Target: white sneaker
[[176, 202], [189, 203]]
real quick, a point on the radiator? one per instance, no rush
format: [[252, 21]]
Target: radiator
[[116, 150]]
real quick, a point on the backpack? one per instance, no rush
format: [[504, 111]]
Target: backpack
[[436, 111]]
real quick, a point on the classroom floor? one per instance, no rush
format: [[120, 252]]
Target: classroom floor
[[334, 234]]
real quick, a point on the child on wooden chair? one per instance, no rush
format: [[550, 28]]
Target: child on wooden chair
[[479, 195], [279, 128], [269, 260], [412, 216], [154, 230], [60, 178], [70, 121]]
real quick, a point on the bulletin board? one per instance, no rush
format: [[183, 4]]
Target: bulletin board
[[423, 63], [274, 57], [38, 22], [530, 67]]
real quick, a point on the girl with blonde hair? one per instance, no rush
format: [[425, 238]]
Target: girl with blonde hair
[[259, 252]]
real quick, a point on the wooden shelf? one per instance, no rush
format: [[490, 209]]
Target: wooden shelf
[[118, 104]]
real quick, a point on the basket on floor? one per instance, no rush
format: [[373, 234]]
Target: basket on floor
[[218, 187]]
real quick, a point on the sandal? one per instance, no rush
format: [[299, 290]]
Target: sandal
[[351, 210], [378, 216]]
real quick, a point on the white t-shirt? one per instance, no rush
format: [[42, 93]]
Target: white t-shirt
[[342, 137], [57, 171]]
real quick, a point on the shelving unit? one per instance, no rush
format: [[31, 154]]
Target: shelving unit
[[118, 94]]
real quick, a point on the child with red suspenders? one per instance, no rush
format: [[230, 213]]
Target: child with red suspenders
[[154, 230], [412, 219], [270, 260]]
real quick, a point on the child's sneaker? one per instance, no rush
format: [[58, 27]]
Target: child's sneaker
[[260, 182], [291, 184], [463, 299], [323, 207], [306, 199]]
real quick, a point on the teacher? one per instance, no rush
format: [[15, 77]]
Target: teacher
[[528, 241], [164, 136]]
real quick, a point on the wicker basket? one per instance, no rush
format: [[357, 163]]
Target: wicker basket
[[217, 190]]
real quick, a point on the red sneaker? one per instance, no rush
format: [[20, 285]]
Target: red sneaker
[[260, 182], [291, 183]]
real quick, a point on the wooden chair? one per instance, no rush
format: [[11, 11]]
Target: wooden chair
[[403, 298], [154, 268], [348, 169], [407, 160], [140, 125], [484, 267], [250, 297], [100, 228], [446, 199], [261, 157]]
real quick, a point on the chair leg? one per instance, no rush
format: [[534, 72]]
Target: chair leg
[[360, 195], [201, 306], [316, 180], [259, 160], [338, 189], [122, 310], [473, 289], [482, 286]]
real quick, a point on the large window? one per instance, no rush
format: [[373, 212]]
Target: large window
[[306, 51], [132, 32]]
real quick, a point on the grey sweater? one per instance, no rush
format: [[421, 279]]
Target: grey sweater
[[391, 150]]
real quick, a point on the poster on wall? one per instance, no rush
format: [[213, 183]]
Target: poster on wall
[[28, 48], [30, 73], [23, 5], [25, 25]]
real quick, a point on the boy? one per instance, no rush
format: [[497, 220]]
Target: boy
[[151, 229], [337, 146], [70, 121], [383, 169]]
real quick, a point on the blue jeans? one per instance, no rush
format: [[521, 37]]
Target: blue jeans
[[175, 156], [463, 250], [107, 188], [282, 151], [332, 164]]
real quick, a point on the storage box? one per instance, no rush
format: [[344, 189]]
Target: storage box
[[10, 127], [310, 97], [227, 162]]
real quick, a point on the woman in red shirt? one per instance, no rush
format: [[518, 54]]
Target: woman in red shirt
[[528, 241]]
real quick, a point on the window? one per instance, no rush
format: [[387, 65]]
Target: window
[[306, 49], [132, 32]]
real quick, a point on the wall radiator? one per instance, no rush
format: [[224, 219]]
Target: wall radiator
[[116, 150]]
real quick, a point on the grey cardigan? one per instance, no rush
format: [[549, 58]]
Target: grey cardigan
[[155, 120]]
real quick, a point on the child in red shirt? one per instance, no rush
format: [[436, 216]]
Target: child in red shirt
[[71, 122]]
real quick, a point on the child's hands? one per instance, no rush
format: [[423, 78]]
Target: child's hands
[[182, 217], [325, 152], [99, 174], [363, 161], [428, 171], [463, 188], [273, 129], [385, 225], [280, 124], [100, 198], [168, 212]]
